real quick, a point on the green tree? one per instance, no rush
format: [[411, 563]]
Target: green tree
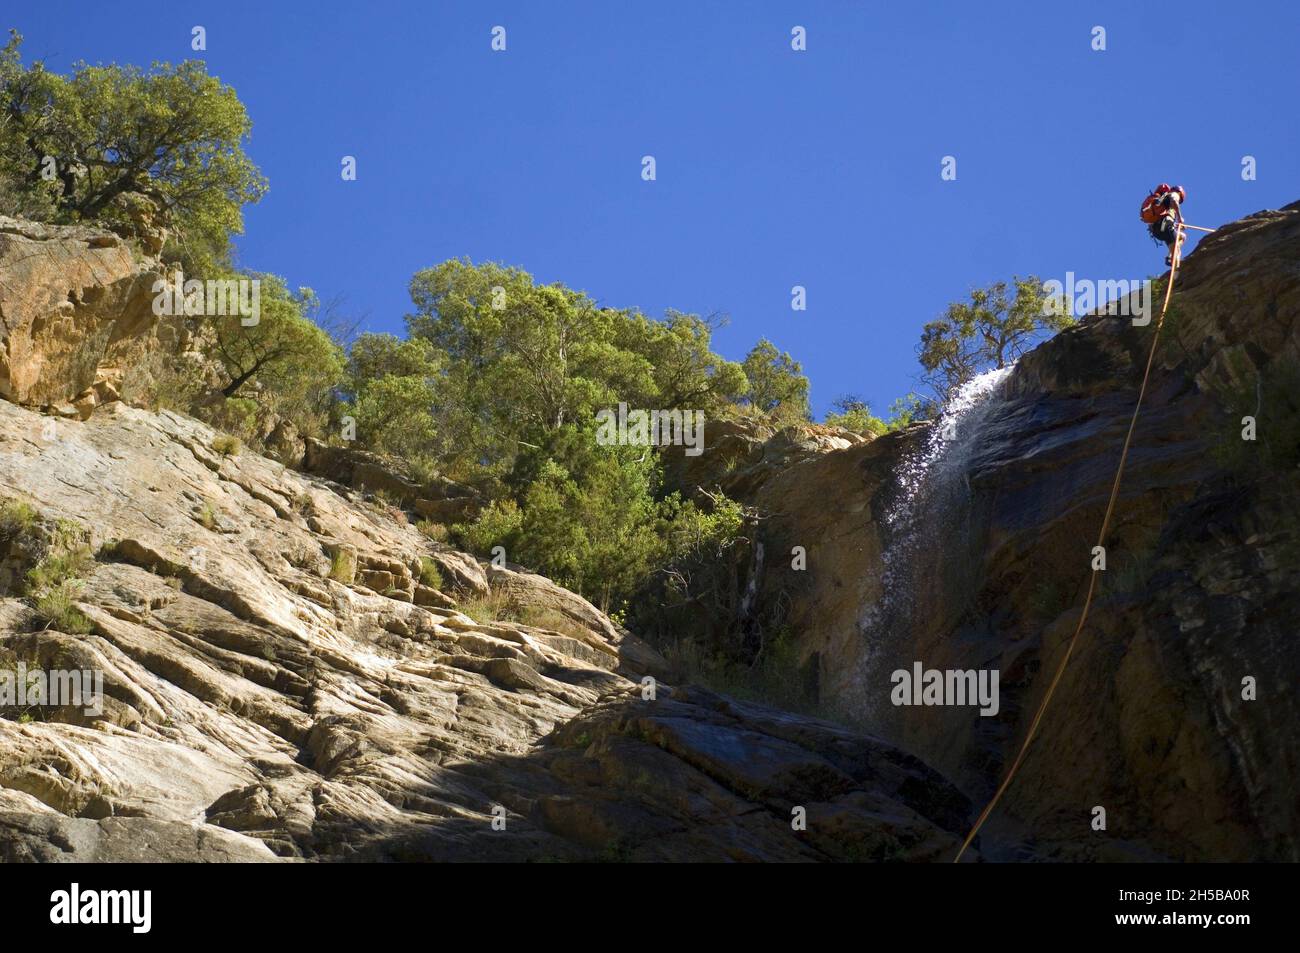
[[909, 409], [853, 413], [777, 386], [586, 515], [373, 356], [393, 418], [24, 95], [523, 360], [685, 371], [989, 331], [172, 134], [393, 386], [284, 357]]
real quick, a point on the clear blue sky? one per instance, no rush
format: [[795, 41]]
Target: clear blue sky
[[775, 168]]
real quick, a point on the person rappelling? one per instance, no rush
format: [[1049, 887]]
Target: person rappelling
[[1162, 211]]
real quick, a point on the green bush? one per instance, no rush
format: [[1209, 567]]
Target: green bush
[[52, 583], [56, 607], [435, 531], [584, 515], [226, 445], [429, 573], [17, 520], [500, 523], [853, 414], [64, 559]]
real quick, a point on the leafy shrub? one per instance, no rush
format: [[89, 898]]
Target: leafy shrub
[[499, 524], [693, 598], [909, 409], [697, 533], [52, 582], [853, 414]]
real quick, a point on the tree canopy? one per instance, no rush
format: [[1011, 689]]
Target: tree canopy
[[777, 384], [988, 331], [74, 146], [519, 360], [392, 386]]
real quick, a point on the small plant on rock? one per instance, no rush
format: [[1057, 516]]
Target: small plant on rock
[[57, 608], [17, 519], [429, 573], [226, 445], [343, 566], [496, 606], [67, 554], [52, 583], [435, 531]]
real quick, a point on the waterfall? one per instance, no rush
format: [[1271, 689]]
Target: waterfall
[[923, 526]]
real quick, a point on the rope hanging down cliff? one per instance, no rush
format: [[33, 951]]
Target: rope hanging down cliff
[[1176, 258]]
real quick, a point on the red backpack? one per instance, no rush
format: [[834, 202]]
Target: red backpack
[[1152, 207]]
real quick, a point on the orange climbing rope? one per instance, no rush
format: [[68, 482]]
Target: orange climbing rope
[[1101, 541]]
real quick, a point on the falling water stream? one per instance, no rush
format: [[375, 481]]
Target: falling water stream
[[925, 521]]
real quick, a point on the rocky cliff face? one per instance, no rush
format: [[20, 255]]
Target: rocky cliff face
[[973, 552], [260, 703], [289, 671], [75, 314]]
